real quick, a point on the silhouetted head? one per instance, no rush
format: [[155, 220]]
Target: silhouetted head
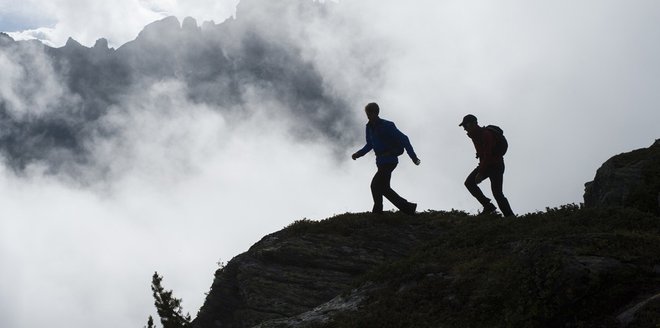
[[469, 123], [372, 111]]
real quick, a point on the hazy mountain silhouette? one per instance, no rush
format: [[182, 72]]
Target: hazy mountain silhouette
[[55, 101]]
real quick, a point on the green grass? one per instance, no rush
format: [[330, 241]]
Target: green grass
[[522, 272]]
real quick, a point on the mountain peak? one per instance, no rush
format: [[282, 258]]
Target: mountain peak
[[70, 42], [5, 39], [207, 25], [190, 24], [101, 44], [164, 28]]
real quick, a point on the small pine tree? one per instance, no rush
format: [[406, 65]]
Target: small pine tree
[[150, 323], [168, 307]]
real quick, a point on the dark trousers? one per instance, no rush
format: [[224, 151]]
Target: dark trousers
[[380, 186], [496, 176]]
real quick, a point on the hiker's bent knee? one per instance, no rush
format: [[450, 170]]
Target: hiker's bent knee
[[469, 182]]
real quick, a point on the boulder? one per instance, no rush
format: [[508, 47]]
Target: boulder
[[628, 180]]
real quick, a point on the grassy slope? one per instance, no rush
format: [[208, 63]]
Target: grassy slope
[[566, 267]]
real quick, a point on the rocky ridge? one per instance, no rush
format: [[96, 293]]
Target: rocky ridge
[[573, 266], [569, 266]]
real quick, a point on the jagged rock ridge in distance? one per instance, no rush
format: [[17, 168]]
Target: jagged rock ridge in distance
[[52, 115]]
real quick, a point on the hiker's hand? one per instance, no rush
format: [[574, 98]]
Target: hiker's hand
[[417, 161], [355, 156]]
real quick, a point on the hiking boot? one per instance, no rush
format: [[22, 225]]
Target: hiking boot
[[488, 209], [412, 207]]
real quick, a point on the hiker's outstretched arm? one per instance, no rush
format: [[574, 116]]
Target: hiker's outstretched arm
[[367, 147]]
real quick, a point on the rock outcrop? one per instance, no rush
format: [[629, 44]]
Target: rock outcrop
[[627, 180], [305, 266]]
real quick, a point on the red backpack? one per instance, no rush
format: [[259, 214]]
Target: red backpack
[[501, 144]]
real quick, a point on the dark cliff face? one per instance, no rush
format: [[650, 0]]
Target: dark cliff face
[[628, 180]]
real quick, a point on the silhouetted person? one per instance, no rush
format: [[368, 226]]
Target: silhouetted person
[[491, 166], [388, 143]]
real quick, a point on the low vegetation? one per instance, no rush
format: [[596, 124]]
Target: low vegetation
[[565, 267]]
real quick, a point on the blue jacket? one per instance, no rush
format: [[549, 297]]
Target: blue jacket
[[381, 135]]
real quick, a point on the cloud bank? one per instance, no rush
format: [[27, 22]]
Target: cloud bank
[[63, 107]]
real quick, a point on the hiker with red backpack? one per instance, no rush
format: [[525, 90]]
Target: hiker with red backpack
[[388, 143], [491, 145]]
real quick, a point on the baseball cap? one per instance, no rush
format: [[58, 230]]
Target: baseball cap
[[469, 118]]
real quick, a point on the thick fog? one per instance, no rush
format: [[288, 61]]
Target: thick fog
[[176, 146]]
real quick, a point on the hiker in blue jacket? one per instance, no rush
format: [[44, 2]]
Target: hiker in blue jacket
[[388, 143]]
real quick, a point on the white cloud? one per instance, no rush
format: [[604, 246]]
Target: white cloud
[[185, 190], [29, 92]]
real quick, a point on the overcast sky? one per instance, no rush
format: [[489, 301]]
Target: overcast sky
[[571, 83]]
